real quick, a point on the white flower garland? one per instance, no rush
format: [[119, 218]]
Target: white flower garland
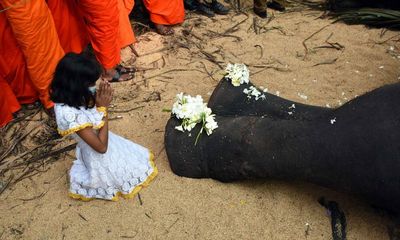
[[192, 110]]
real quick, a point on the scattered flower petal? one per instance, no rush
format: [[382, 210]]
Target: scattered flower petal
[[302, 96], [254, 92]]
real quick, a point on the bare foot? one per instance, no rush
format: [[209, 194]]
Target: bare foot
[[119, 74], [31, 106], [163, 29], [18, 114], [128, 57]]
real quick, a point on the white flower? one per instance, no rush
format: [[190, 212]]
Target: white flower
[[179, 128], [237, 73], [211, 124], [192, 110], [235, 82], [333, 121]]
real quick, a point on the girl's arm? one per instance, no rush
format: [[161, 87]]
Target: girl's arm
[[99, 141]]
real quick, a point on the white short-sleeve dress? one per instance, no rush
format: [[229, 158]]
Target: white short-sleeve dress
[[123, 170]]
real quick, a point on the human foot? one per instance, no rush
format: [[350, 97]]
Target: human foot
[[31, 106], [127, 56], [119, 74], [163, 29]]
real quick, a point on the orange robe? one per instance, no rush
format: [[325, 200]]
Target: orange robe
[[34, 29], [126, 35], [102, 24], [165, 12], [15, 85], [70, 26], [8, 103]]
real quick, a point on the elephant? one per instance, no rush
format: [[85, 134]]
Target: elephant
[[354, 148]]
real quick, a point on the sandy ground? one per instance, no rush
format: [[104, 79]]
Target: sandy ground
[[180, 208]]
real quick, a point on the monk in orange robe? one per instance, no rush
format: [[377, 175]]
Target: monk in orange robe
[[126, 35], [72, 30], [69, 24], [15, 84], [34, 30], [103, 20], [165, 13]]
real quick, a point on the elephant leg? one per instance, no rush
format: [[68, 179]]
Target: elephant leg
[[358, 154]]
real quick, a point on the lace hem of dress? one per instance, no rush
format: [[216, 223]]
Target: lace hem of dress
[[131, 194]]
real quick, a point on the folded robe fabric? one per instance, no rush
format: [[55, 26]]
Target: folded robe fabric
[[15, 84], [165, 12], [8, 103], [126, 35], [34, 30], [69, 24], [102, 24]]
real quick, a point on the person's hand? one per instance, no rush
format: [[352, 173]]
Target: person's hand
[[104, 94]]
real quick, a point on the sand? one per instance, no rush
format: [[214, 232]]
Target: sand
[[180, 208]]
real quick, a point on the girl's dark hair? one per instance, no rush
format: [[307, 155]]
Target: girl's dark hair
[[74, 74]]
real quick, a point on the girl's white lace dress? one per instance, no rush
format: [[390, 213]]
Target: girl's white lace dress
[[123, 170]]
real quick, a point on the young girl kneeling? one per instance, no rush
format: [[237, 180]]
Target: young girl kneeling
[[106, 164]]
